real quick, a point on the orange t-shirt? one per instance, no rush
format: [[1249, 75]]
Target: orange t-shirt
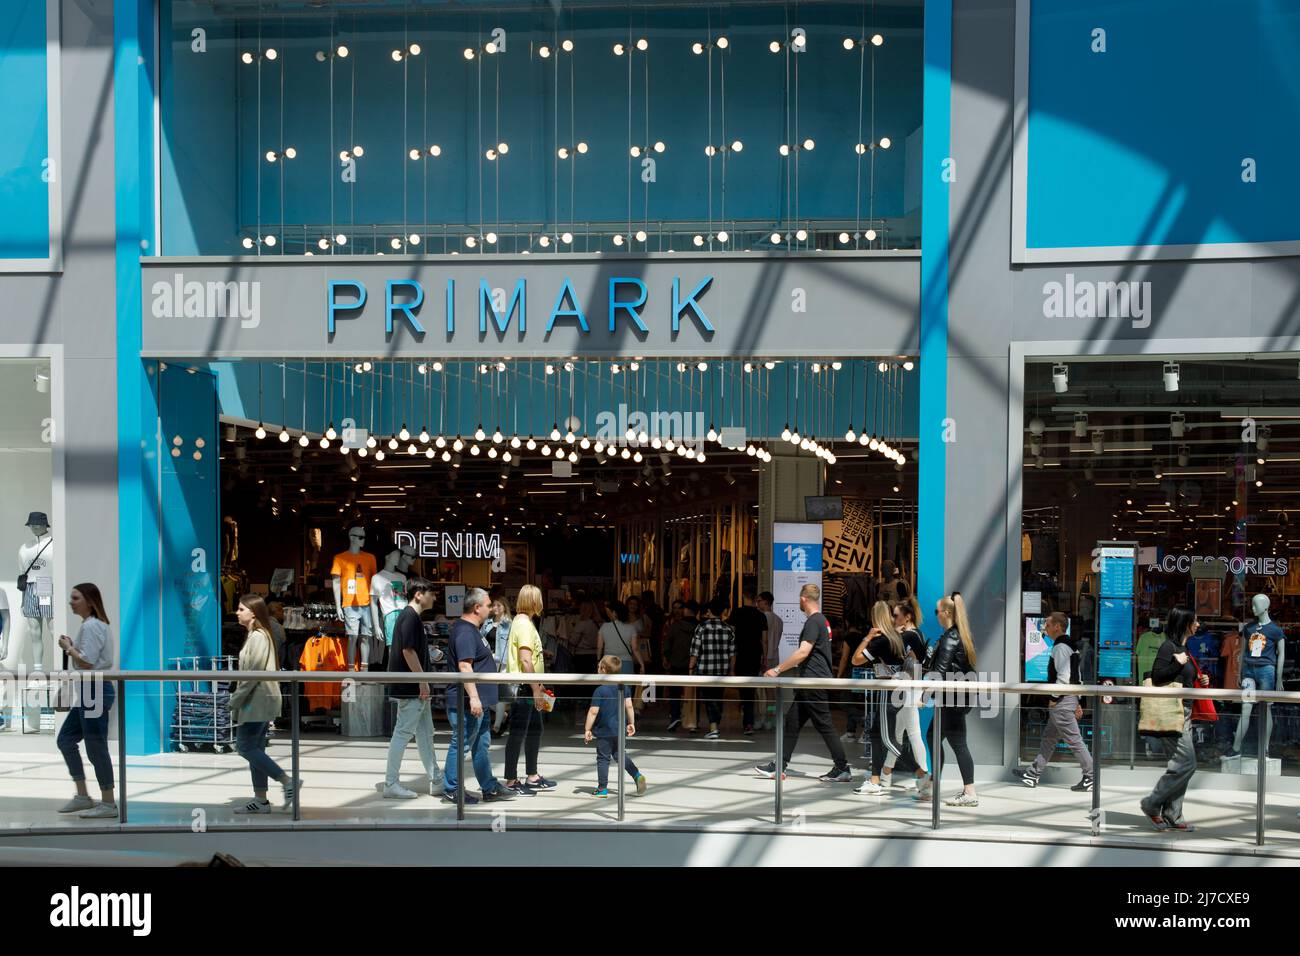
[[354, 572]]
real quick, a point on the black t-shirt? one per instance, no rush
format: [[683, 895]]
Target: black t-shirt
[[817, 633], [408, 635], [468, 645], [750, 624], [882, 652], [914, 642]]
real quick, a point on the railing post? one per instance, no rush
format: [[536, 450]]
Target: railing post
[[936, 761], [622, 744], [463, 701], [780, 746], [1096, 762], [121, 750], [1261, 770], [295, 712]]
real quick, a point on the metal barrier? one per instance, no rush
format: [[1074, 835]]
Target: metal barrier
[[933, 692]]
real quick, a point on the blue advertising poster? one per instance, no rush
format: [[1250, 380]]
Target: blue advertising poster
[[1115, 662], [1038, 650], [1115, 611]]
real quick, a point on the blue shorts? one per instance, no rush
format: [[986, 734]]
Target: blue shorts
[[356, 621]]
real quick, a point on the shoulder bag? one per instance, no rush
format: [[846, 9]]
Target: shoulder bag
[[1161, 715], [21, 583]]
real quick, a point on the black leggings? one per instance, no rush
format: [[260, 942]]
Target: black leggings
[[882, 724], [525, 732], [952, 728]]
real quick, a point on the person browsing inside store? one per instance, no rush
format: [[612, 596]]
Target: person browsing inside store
[[91, 650], [524, 657], [618, 637], [811, 659], [254, 704], [472, 702], [409, 655]]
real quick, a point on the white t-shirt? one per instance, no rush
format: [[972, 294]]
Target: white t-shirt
[[94, 642], [381, 590]]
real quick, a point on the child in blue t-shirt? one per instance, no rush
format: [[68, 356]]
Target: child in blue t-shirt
[[602, 726]]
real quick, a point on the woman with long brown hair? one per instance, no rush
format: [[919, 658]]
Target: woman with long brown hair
[[254, 704], [953, 657], [87, 720], [883, 650]]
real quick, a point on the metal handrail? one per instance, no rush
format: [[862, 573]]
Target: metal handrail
[[666, 680]]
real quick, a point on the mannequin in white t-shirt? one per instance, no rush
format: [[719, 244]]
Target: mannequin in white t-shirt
[[388, 591], [36, 560]]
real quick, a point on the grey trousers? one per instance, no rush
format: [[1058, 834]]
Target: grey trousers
[[1063, 725], [1166, 800]]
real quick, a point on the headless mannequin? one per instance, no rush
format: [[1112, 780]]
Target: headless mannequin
[[35, 651], [359, 609], [1259, 604], [388, 587]]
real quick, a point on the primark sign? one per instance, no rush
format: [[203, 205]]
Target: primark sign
[[529, 307]]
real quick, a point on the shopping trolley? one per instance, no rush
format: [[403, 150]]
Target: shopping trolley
[[201, 719]]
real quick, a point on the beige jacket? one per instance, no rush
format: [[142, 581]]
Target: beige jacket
[[256, 701]]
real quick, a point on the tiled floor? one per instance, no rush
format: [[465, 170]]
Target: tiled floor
[[693, 783]]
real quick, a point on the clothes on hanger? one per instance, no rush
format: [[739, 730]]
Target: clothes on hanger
[[323, 653]]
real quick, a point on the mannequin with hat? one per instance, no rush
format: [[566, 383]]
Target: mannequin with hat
[[34, 651], [388, 591]]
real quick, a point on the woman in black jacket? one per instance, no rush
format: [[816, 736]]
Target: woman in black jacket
[[953, 657], [1164, 805]]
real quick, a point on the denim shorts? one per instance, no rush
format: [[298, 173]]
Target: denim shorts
[[1260, 676], [356, 621]]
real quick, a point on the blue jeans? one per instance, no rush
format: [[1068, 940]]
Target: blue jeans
[[607, 750], [250, 743], [478, 734], [91, 725]]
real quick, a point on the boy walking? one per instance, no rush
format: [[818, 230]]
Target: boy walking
[[602, 726]]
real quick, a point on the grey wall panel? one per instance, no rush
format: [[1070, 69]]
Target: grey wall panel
[[827, 305]]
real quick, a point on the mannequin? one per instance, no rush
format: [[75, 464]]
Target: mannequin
[[36, 561], [388, 591], [1263, 648], [352, 573]]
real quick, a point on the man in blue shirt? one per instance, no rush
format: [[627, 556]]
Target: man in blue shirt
[[471, 653]]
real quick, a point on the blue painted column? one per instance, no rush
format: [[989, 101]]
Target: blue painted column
[[136, 409], [932, 464]]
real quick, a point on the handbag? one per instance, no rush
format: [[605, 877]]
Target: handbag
[[21, 583], [1203, 710], [1161, 715]]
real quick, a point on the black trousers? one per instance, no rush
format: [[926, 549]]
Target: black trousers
[[812, 705], [525, 734], [952, 728]]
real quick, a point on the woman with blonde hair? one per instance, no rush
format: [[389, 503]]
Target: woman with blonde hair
[[524, 656], [907, 717], [882, 650], [953, 657], [254, 704]]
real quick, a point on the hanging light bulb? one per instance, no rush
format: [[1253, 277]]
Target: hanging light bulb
[[492, 451], [260, 431], [515, 442], [850, 435], [570, 437], [284, 436], [404, 434], [531, 444], [585, 443], [303, 440], [392, 444], [440, 442], [325, 443], [785, 432], [479, 434], [497, 437], [712, 434], [457, 445], [546, 450], [371, 441], [411, 449], [474, 450]]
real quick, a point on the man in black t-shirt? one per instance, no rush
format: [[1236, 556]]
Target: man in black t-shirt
[[812, 659], [750, 625], [410, 655]]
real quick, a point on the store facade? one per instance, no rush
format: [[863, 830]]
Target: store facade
[[982, 271]]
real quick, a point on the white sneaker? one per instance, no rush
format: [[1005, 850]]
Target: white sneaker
[[437, 786], [254, 806], [871, 789], [77, 804], [395, 791], [100, 811]]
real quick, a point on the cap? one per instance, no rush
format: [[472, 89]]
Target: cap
[[38, 517]]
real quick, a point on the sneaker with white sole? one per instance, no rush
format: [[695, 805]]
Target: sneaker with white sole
[[837, 775], [77, 804], [871, 789], [640, 785], [290, 788], [100, 811], [674, 723], [254, 806], [962, 799], [1026, 776], [395, 791], [711, 735], [437, 786], [767, 770], [924, 789]]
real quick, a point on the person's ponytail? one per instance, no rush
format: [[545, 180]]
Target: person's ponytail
[[963, 626]]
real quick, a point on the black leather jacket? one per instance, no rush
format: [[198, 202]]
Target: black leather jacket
[[948, 655]]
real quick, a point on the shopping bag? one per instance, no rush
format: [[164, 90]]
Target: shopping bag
[[1161, 715], [1202, 709]]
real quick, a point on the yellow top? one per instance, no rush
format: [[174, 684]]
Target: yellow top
[[524, 634]]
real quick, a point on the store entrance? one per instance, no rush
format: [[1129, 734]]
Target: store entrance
[[630, 488]]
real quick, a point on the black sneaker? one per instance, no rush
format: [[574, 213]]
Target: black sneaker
[[768, 770], [501, 793], [1028, 777], [449, 796], [837, 775], [1083, 786], [674, 723], [521, 789]]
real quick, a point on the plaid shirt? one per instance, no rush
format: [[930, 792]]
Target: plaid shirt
[[712, 647]]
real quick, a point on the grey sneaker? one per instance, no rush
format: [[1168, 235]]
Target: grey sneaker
[[436, 786], [100, 811], [871, 789], [395, 791], [77, 804], [962, 799], [254, 806]]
